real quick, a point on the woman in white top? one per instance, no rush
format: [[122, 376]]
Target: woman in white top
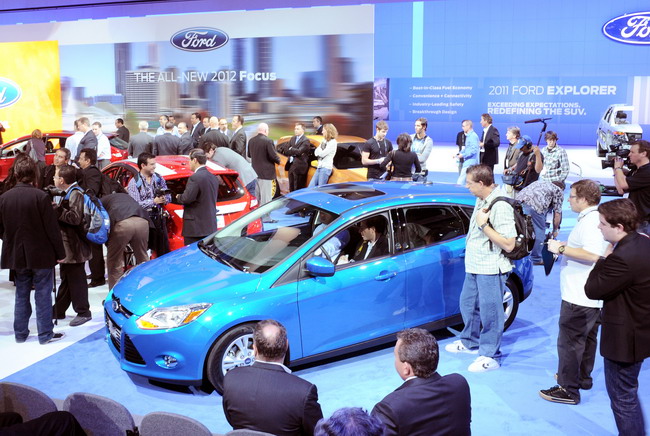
[[325, 154]]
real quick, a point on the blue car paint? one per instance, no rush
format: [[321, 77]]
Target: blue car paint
[[318, 317]]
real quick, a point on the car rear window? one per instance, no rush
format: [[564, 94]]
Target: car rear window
[[229, 187], [348, 155], [119, 143]]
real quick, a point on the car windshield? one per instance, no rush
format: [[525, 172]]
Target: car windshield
[[266, 236], [119, 143]]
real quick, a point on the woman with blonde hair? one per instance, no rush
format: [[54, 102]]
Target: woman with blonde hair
[[325, 154]]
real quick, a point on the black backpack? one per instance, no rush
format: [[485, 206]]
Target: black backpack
[[525, 239]]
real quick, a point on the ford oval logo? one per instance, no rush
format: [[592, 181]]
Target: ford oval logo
[[199, 39], [10, 92], [629, 29]]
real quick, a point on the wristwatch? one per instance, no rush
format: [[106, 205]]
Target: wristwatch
[[561, 249], [482, 226]]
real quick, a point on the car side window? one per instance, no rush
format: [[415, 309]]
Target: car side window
[[369, 239], [428, 225]]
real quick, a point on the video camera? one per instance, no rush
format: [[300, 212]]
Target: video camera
[[159, 192], [617, 150], [53, 191]]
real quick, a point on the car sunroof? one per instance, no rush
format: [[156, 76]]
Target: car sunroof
[[349, 191]]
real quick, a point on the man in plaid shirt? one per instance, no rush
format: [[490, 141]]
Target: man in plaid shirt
[[486, 271], [556, 161]]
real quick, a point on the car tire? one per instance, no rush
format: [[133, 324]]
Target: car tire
[[233, 349], [510, 303]]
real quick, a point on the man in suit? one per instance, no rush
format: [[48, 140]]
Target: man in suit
[[489, 142], [214, 135], [142, 142], [297, 152], [167, 143], [186, 142], [317, 122], [266, 396], [89, 140], [197, 128], [223, 127], [199, 199], [122, 132], [31, 246], [238, 139], [426, 403], [263, 158], [622, 280]]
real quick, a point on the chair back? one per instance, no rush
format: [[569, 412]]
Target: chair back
[[100, 416], [171, 424], [25, 400]]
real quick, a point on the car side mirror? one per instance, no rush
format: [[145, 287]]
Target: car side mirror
[[320, 267]]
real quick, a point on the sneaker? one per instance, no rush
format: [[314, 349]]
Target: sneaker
[[557, 394], [585, 385], [78, 320], [55, 337], [483, 364], [458, 347]]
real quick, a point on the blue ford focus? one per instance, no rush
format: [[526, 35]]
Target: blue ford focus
[[343, 267]]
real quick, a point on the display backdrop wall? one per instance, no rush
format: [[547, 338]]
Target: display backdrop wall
[[445, 60]]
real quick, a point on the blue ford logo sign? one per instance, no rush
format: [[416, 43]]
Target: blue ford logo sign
[[629, 29], [199, 39], [10, 92]]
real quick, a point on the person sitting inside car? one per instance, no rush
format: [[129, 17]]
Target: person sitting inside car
[[374, 243], [621, 117]]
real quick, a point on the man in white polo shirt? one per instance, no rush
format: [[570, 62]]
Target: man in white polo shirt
[[579, 316]]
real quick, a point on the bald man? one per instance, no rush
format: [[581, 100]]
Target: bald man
[[214, 135]]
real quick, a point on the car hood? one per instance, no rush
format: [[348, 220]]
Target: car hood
[[181, 277]]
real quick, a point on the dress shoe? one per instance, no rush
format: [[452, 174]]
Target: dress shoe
[[78, 320], [94, 284]]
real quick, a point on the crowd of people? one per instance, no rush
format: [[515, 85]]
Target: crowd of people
[[603, 280]]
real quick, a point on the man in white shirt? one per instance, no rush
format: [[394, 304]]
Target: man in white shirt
[[422, 146], [579, 316], [72, 142], [103, 146]]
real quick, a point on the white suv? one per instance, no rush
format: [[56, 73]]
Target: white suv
[[615, 127]]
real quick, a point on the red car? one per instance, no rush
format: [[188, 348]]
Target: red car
[[53, 141], [233, 198]]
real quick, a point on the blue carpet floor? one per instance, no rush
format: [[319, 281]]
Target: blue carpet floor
[[505, 401]]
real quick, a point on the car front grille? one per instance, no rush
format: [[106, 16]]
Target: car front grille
[[131, 353]]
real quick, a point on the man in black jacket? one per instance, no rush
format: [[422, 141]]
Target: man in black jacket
[[426, 404], [263, 158], [622, 281], [31, 246], [489, 142], [199, 199], [214, 135], [266, 396], [91, 182], [238, 138], [129, 225], [197, 128], [167, 143], [297, 150], [70, 212]]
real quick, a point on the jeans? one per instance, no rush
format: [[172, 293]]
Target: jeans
[[42, 280], [481, 306], [539, 223], [321, 176], [576, 346], [622, 381]]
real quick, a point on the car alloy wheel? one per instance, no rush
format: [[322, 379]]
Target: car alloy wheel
[[232, 349]]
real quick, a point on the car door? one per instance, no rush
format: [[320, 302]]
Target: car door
[[433, 244], [363, 300]]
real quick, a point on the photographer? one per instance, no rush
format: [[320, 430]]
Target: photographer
[[636, 182], [149, 189]]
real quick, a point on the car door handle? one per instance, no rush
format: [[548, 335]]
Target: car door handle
[[386, 276]]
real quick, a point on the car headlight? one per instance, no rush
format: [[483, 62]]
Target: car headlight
[[171, 317]]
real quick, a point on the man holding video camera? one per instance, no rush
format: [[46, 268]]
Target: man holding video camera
[[636, 182], [149, 189]]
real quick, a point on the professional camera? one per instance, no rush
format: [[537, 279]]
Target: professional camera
[[53, 191], [162, 192], [617, 150]]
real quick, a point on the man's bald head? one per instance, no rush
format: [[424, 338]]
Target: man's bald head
[[270, 341], [214, 122], [263, 128]]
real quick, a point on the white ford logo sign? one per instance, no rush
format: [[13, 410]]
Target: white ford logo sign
[[199, 39], [629, 29]]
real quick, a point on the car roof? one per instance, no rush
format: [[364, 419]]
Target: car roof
[[341, 197], [176, 166]]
